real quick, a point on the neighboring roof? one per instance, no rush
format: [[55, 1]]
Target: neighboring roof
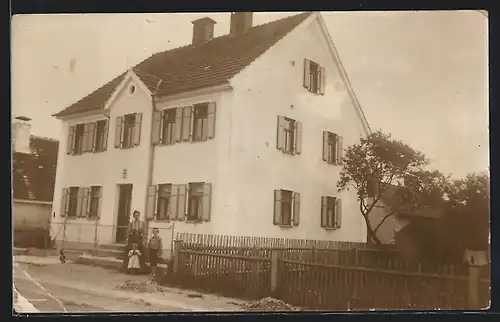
[[194, 67], [34, 175], [391, 198]]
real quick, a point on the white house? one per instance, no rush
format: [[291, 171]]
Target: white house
[[235, 135]]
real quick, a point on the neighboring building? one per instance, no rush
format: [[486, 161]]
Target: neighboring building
[[395, 222], [235, 135], [33, 176]]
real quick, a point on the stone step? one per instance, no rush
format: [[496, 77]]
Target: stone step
[[108, 253], [119, 247]]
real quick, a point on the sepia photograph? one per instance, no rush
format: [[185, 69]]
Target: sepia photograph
[[332, 161]]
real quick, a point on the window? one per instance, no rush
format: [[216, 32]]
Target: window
[[314, 77], [101, 135], [128, 130], [73, 202], [95, 199], [286, 208], [79, 142], [200, 124], [331, 212], [289, 137], [195, 202], [164, 199], [168, 135], [332, 148]]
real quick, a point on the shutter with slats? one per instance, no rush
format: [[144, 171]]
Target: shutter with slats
[[322, 80], [307, 72], [277, 207], [324, 211], [338, 146], [118, 131], [85, 202], [211, 120], [338, 213], [89, 201], [298, 138], [178, 124], [64, 202], [187, 116], [325, 146], [151, 202], [207, 201], [92, 137], [296, 208], [172, 211], [106, 131], [137, 129], [71, 139], [181, 201], [280, 136], [156, 130], [84, 147], [79, 205], [100, 202]]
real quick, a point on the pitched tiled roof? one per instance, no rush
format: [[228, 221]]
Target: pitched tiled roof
[[34, 175], [193, 67], [392, 198]]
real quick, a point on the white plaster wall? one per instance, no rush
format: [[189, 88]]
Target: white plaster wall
[[105, 169], [271, 86]]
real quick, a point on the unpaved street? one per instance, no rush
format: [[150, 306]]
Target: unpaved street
[[56, 287]]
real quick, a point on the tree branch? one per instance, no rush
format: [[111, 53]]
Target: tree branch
[[382, 221]]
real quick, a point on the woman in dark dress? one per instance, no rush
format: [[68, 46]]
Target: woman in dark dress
[[135, 233]]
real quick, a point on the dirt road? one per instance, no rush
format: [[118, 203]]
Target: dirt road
[[72, 288]]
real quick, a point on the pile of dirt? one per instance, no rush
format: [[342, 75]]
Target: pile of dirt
[[140, 286], [269, 304]]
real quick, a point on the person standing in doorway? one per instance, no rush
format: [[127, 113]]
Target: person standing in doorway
[[155, 247]]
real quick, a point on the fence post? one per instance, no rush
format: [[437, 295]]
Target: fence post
[[274, 270], [473, 286], [176, 259]]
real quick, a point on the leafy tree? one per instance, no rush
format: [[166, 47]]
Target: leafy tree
[[379, 163]]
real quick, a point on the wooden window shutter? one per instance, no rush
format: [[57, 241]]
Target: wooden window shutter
[[182, 198], [187, 116], [322, 80], [307, 72], [100, 202], [178, 124], [85, 145], [64, 202], [151, 202], [71, 139], [324, 211], [296, 208], [277, 207], [280, 136], [85, 202], [92, 136], [156, 130], [298, 138], [211, 120], [79, 205], [338, 212], [172, 210], [207, 201], [325, 146], [338, 154], [105, 140], [118, 131], [137, 129]]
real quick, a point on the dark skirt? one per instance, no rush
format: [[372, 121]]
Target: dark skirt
[[135, 237]]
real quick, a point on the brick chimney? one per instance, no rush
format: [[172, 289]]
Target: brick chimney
[[240, 22], [203, 30], [22, 134]]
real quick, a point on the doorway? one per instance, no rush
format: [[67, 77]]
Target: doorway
[[124, 204]]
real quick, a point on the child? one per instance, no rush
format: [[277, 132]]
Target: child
[[155, 250], [133, 259]]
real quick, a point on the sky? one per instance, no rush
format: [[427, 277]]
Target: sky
[[421, 76]]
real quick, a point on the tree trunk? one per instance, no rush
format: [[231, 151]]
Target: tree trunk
[[372, 236]]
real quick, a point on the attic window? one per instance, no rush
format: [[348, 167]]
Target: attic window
[[132, 89]]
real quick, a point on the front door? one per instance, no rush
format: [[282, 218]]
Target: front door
[[124, 202]]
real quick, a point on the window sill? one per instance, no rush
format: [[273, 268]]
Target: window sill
[[288, 152], [161, 220], [286, 226], [193, 221], [330, 228]]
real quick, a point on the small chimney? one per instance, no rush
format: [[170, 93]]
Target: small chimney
[[22, 134], [203, 30], [240, 22]]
